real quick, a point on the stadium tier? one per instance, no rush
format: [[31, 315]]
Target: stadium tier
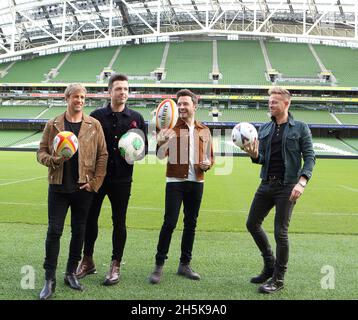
[[10, 138], [189, 62], [292, 60], [139, 61], [342, 62], [55, 111], [346, 118], [202, 114], [241, 62], [33, 70], [20, 112], [85, 66]]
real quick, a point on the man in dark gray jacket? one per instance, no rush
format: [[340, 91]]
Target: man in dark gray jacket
[[281, 145]]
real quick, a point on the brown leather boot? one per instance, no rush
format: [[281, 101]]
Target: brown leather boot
[[85, 267], [113, 275], [156, 275], [186, 271]]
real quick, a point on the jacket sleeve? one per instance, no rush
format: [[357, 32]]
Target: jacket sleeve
[[143, 128], [261, 157], [43, 153], [210, 150], [101, 160], [309, 158]]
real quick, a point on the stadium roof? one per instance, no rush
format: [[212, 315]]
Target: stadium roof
[[28, 25]]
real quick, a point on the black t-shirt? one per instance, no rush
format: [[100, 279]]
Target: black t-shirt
[[70, 167], [277, 166]]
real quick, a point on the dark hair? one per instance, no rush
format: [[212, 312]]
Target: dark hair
[[116, 77], [187, 93]]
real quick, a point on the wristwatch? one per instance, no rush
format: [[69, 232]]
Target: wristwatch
[[302, 184]]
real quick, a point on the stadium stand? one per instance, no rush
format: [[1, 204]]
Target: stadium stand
[[33, 70], [139, 61], [292, 60], [342, 62], [20, 112], [85, 66], [8, 138], [241, 62], [189, 62], [346, 118]]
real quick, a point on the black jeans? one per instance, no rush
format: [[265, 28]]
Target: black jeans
[[118, 194], [58, 204], [269, 195], [190, 194]]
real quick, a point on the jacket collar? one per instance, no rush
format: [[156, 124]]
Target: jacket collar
[[291, 121], [182, 124], [59, 121], [109, 110]]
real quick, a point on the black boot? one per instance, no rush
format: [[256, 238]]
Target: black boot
[[267, 271], [72, 282], [271, 286], [48, 290]]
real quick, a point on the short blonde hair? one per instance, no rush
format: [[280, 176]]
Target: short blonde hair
[[281, 91], [74, 87]]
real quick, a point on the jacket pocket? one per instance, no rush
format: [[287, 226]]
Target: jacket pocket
[[292, 142]]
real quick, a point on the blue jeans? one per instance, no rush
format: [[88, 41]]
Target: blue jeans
[[268, 195], [190, 194]]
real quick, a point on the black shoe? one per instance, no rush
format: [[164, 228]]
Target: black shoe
[[271, 286], [186, 271], [265, 274], [48, 290], [72, 282]]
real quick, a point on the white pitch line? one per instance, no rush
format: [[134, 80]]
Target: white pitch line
[[19, 181], [205, 210], [348, 188]]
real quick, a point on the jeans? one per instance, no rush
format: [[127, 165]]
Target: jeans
[[190, 194], [58, 204], [268, 195], [118, 194]]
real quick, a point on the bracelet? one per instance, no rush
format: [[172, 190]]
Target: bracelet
[[301, 184]]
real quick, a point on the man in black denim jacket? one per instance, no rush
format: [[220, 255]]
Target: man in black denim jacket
[[281, 145]]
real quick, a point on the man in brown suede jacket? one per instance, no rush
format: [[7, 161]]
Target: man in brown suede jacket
[[72, 182], [188, 147]]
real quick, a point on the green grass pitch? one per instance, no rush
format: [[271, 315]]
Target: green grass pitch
[[323, 232]]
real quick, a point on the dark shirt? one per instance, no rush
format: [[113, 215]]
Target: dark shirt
[[116, 124], [70, 167], [277, 166]]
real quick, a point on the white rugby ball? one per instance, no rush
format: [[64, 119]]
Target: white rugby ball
[[166, 114]]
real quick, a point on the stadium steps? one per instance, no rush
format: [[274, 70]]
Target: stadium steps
[[215, 66], [84, 66], [33, 70], [4, 68], [342, 62], [266, 57], [163, 63], [292, 60]]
